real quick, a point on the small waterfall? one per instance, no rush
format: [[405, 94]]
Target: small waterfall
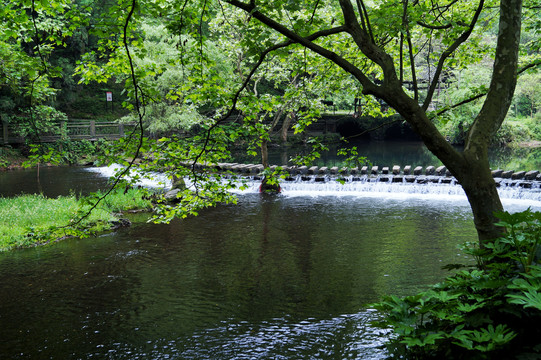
[[154, 180], [381, 186], [423, 187]]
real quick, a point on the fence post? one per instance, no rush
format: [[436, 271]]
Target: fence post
[[92, 128], [5, 132], [121, 130], [63, 129]]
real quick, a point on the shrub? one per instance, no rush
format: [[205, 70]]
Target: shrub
[[487, 311]]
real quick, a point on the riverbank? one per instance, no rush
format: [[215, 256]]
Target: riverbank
[[31, 220], [10, 158]]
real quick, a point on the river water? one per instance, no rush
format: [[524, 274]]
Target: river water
[[274, 277]]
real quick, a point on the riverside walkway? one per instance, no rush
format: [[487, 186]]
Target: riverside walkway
[[75, 130]]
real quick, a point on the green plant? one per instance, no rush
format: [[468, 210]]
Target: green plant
[[486, 311], [29, 220], [316, 147], [65, 151], [353, 159]]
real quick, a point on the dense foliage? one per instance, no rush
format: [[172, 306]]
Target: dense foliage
[[59, 58]]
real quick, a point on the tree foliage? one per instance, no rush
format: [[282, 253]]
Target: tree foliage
[[237, 69]]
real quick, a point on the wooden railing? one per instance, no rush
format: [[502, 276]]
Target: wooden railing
[[76, 130]]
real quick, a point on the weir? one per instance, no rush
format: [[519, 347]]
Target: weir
[[417, 175], [430, 182], [385, 181]]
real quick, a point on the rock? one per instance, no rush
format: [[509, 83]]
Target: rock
[[121, 223], [507, 174], [497, 173], [178, 183], [171, 195], [440, 171], [407, 169], [531, 175], [518, 175]]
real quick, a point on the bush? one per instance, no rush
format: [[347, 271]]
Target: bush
[[489, 311], [66, 151]]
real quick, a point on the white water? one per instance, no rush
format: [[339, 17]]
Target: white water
[[155, 180], [512, 196]]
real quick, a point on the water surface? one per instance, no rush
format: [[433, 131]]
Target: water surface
[[279, 277]]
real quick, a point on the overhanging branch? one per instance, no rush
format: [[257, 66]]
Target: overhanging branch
[[448, 52], [368, 85], [254, 69]]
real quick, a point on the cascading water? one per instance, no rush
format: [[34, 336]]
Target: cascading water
[[384, 186], [154, 180]]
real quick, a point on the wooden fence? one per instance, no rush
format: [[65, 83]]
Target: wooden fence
[[75, 130]]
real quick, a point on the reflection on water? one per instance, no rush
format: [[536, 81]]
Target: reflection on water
[[379, 153], [273, 277], [402, 153], [276, 277], [52, 181]]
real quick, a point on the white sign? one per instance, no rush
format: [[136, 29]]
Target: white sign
[[109, 96]]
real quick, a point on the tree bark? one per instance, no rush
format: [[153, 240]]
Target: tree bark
[[484, 200]]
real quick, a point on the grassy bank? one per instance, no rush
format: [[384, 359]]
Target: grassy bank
[[30, 220]]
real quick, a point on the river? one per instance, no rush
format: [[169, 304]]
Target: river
[[274, 277]]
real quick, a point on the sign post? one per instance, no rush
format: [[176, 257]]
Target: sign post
[[109, 97]]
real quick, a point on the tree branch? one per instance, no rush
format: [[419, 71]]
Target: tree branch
[[365, 19], [368, 85], [140, 113], [405, 23], [254, 69], [314, 12], [478, 96], [448, 52]]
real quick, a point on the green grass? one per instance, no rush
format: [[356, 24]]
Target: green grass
[[30, 220]]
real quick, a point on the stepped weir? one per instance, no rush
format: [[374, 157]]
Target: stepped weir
[[394, 174], [388, 182]]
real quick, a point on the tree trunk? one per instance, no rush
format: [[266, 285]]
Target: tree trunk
[[285, 127], [264, 153], [480, 188], [471, 168], [268, 185]]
